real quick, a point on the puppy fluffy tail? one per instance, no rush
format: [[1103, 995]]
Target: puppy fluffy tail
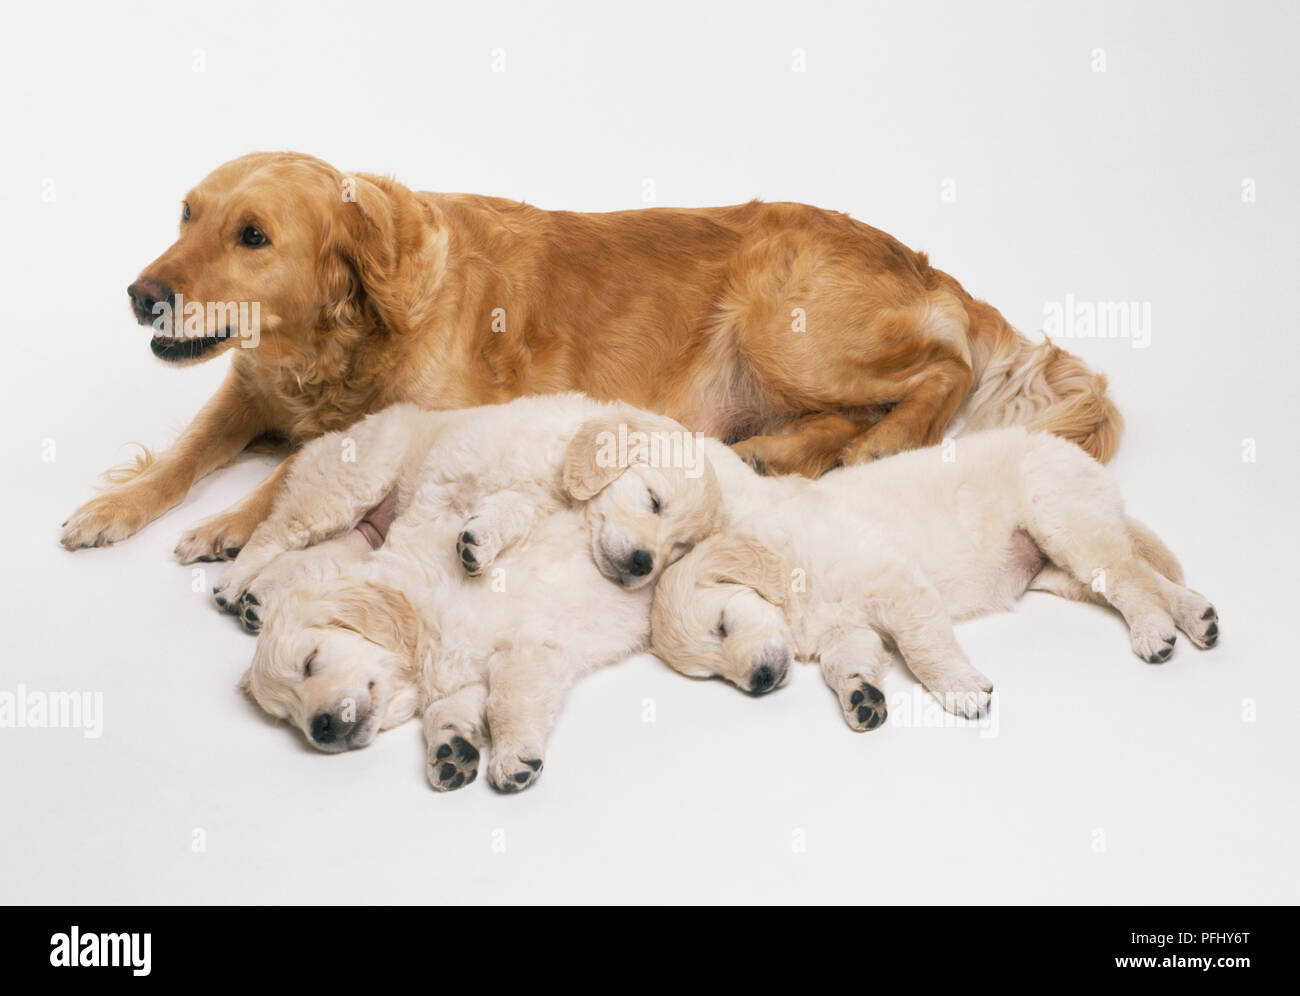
[[1037, 385]]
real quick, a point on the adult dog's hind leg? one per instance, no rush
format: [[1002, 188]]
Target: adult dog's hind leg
[[455, 731], [920, 418], [809, 446]]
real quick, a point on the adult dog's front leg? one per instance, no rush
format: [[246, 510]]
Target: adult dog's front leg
[[222, 536], [225, 425], [526, 688]]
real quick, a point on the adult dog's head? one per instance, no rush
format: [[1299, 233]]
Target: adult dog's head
[[281, 251], [338, 661], [650, 493], [720, 610]]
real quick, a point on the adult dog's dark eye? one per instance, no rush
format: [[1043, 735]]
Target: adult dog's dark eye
[[185, 212], [252, 236], [306, 665], [656, 505]]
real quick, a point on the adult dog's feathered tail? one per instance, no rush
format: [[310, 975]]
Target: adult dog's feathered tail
[[1037, 385]]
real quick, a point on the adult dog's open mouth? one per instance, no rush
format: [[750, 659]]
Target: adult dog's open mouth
[[179, 348]]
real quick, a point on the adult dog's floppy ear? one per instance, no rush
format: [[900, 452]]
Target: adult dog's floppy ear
[[605, 446], [383, 256], [380, 614], [734, 558]]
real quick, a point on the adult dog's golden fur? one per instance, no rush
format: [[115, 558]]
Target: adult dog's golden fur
[[806, 337]]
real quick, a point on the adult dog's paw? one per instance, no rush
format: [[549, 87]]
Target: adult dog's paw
[[105, 520], [863, 704], [514, 770], [453, 760], [477, 546], [218, 537], [963, 692]]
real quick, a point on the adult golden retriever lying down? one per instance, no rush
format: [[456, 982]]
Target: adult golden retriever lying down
[[804, 337]]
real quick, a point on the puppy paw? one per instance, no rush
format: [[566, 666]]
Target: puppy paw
[[964, 692], [1153, 637], [512, 770], [218, 537], [863, 704], [477, 546], [1198, 619], [453, 760], [232, 595]]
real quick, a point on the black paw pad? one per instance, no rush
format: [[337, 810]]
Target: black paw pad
[[453, 763], [466, 752], [867, 706]]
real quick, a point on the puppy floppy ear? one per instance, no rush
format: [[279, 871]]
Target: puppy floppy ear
[[380, 614], [606, 446], [383, 256], [245, 684], [734, 558]]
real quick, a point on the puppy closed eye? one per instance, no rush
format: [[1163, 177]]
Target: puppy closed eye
[[306, 665], [720, 630], [656, 505]]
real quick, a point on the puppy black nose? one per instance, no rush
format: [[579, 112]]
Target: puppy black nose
[[324, 730], [639, 563], [145, 293], [762, 680]]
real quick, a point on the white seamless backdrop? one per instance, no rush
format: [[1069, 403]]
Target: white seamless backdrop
[[1112, 152]]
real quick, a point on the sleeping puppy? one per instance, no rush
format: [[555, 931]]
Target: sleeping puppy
[[404, 632], [885, 557], [490, 593], [646, 492]]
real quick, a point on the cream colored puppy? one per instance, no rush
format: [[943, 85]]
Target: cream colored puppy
[[645, 489], [491, 593], [404, 632], [887, 555]]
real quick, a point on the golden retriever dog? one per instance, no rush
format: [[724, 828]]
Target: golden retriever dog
[[805, 337], [868, 560]]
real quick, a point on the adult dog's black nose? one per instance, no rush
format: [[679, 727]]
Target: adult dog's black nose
[[145, 293], [763, 679], [640, 563], [324, 728]]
